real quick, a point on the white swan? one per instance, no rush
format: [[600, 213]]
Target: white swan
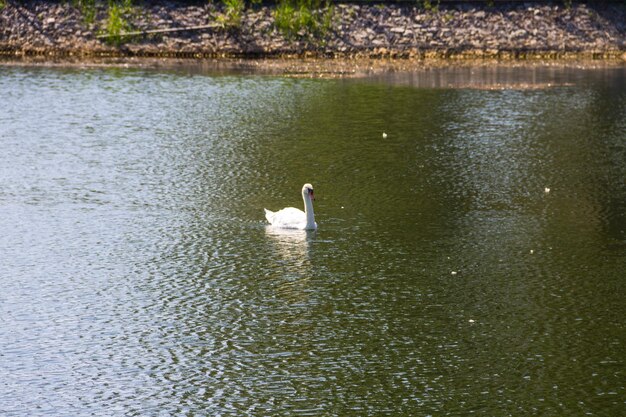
[[292, 218]]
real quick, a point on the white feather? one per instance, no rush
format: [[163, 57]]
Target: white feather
[[293, 218]]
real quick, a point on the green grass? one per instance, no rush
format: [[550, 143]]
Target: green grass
[[327, 18], [232, 13], [295, 18], [87, 9], [429, 6], [117, 24]]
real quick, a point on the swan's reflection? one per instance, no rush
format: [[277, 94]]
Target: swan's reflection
[[291, 244], [293, 266]]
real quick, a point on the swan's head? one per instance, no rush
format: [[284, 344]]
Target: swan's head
[[307, 190]]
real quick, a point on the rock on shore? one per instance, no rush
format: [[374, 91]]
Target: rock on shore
[[506, 30]]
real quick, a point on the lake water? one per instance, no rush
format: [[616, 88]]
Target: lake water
[[138, 276]]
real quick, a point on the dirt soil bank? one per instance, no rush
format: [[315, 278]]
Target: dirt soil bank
[[507, 30]]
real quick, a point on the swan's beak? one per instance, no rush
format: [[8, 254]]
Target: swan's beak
[[312, 195]]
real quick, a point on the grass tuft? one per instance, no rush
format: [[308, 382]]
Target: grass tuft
[[87, 9], [117, 24], [233, 13], [430, 6], [300, 18]]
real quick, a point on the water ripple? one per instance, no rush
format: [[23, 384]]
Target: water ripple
[[139, 278]]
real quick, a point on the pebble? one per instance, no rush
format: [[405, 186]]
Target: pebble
[[392, 30]]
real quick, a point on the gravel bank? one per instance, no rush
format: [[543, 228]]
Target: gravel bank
[[513, 30]]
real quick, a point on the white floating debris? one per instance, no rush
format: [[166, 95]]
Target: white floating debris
[[532, 251], [384, 135], [453, 272], [472, 321], [546, 190]]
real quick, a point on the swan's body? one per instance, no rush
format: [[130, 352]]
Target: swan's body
[[293, 218]]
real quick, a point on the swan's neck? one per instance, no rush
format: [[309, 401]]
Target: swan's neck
[[308, 210]]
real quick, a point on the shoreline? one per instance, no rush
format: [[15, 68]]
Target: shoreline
[[428, 73], [455, 33]]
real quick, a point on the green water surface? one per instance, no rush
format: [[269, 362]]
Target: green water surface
[[472, 262]]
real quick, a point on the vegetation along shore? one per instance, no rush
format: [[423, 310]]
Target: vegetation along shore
[[237, 28]]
